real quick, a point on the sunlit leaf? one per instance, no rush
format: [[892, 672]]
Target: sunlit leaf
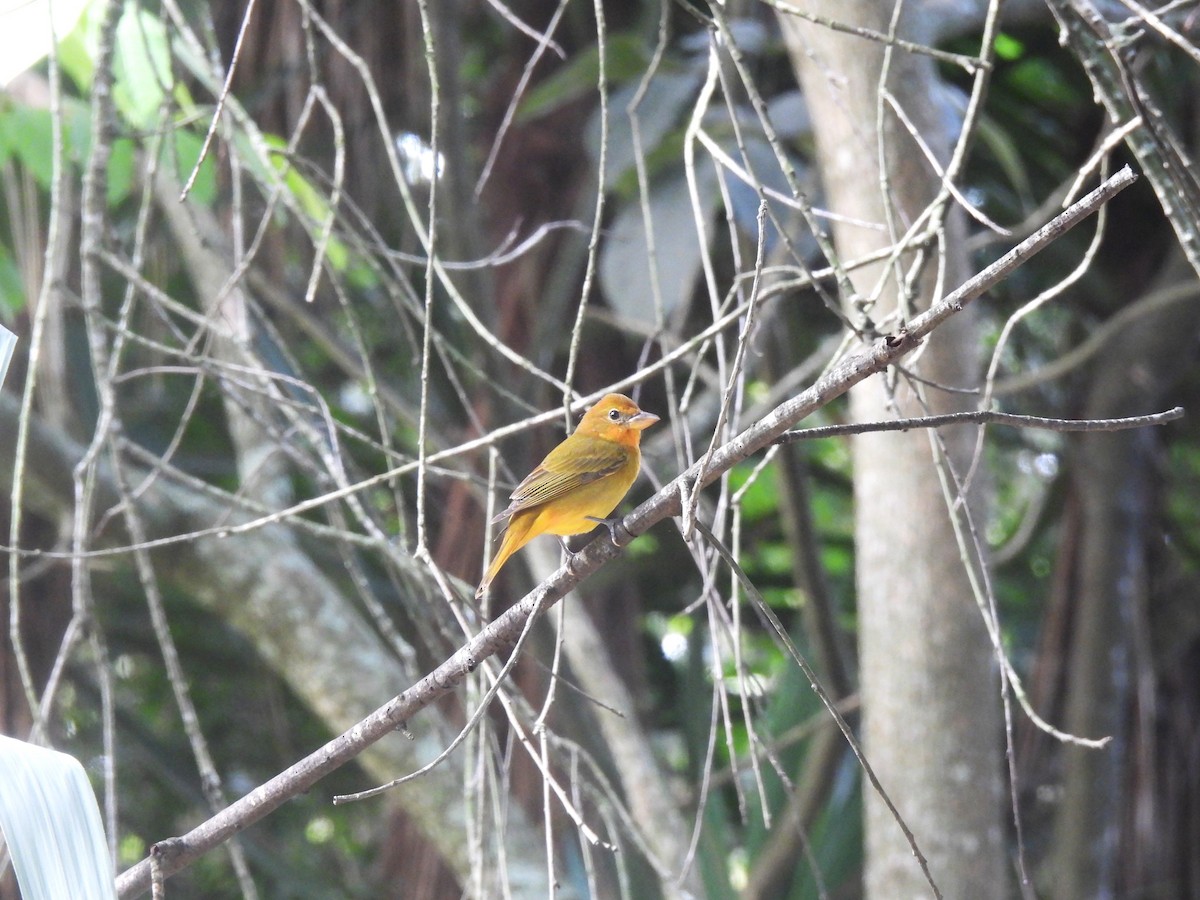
[[1008, 47], [74, 56], [141, 66]]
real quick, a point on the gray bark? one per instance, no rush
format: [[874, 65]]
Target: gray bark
[[931, 719]]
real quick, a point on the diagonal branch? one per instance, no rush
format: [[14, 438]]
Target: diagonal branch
[[1099, 44], [502, 634], [986, 417]]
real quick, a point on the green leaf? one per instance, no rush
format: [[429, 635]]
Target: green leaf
[[27, 135], [760, 499], [311, 201], [74, 57], [131, 849], [12, 288], [187, 150], [141, 65], [626, 58], [1008, 47], [1043, 83], [121, 164]]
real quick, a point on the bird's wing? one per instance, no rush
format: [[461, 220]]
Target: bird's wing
[[566, 468]]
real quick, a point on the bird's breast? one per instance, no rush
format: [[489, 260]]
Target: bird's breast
[[570, 514]]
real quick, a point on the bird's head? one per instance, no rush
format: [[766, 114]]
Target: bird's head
[[616, 418]]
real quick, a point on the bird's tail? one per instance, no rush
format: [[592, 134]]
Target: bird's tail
[[516, 536]]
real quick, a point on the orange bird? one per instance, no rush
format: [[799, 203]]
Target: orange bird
[[579, 482]]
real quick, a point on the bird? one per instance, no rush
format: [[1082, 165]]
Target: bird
[[579, 482]]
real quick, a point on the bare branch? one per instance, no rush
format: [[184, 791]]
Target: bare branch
[[986, 417]]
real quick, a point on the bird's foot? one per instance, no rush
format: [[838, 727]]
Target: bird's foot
[[570, 554], [612, 523]]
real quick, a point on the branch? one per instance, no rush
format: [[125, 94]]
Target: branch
[[503, 633], [985, 417], [1099, 48]]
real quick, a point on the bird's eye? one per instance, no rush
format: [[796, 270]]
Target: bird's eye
[[614, 414]]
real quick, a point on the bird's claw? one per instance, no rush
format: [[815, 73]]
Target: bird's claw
[[612, 523], [569, 553]]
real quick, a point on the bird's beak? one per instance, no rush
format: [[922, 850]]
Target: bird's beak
[[642, 420]]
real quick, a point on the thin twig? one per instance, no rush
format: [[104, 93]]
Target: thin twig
[[593, 248], [48, 298], [985, 417], [431, 248], [221, 99], [970, 64]]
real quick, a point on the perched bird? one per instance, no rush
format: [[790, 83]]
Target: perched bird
[[579, 482]]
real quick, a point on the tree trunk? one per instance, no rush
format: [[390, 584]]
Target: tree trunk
[[1111, 674], [931, 721]]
